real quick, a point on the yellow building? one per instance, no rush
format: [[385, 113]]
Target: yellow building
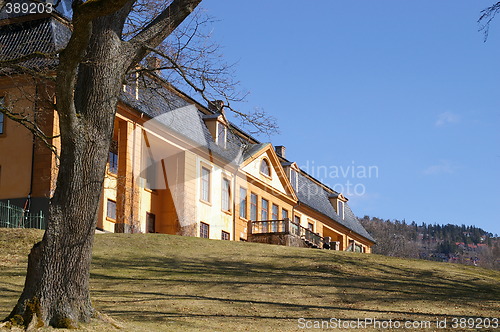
[[175, 166]]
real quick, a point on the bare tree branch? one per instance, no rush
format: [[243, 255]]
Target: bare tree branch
[[487, 15], [33, 128], [160, 28]]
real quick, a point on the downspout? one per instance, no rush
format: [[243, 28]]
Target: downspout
[[293, 211], [235, 174], [27, 205]]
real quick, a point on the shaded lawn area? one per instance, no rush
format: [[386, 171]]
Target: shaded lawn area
[[171, 283]]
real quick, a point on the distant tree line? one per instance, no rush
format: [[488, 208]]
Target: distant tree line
[[449, 243]]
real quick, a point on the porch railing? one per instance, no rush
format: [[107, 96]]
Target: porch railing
[[12, 216], [285, 226]]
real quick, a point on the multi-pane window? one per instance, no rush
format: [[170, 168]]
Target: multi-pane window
[[264, 167], [243, 203], [264, 209], [2, 116], [275, 216], [340, 209], [253, 206], [221, 135], [205, 184], [225, 236], [111, 209], [204, 230], [275, 212], [284, 214], [296, 219], [226, 194], [264, 213], [150, 223]]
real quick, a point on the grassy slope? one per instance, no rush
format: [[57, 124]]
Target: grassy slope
[[160, 282]]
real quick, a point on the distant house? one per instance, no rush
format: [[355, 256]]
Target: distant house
[[175, 166]]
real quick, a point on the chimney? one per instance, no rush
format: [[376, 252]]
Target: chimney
[[280, 151], [153, 63], [216, 106]]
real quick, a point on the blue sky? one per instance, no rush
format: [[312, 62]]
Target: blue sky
[[407, 88]]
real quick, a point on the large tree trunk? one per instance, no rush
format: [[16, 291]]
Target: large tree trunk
[[89, 79], [57, 283]]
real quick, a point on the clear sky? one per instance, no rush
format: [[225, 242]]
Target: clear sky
[[405, 93]]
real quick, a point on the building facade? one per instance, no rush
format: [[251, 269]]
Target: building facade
[[175, 166]]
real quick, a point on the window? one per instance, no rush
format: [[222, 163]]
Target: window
[[275, 212], [264, 209], [310, 226], [351, 245], [264, 167], [264, 213], [2, 116], [296, 219], [293, 178], [113, 162], [150, 223], [275, 216], [284, 214], [340, 209], [253, 207], [243, 203], [225, 236], [132, 87], [205, 184], [204, 230], [221, 135], [226, 195], [111, 209]]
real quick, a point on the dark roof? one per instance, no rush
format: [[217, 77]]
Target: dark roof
[[44, 35], [177, 115], [253, 149], [315, 196]]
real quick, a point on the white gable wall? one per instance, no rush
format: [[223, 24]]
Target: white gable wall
[[253, 168]]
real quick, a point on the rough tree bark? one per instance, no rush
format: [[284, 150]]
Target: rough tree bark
[[89, 78]]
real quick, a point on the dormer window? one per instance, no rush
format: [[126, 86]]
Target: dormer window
[[265, 168], [340, 208], [221, 135], [338, 202], [293, 178], [132, 87]]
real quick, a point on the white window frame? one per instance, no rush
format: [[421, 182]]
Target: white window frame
[[205, 184]]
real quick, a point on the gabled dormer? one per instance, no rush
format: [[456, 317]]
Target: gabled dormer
[[217, 123], [292, 173], [262, 165], [131, 85], [338, 202]]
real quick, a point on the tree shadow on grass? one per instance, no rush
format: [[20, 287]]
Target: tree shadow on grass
[[254, 282]]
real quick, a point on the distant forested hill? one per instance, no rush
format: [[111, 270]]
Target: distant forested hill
[[449, 243]]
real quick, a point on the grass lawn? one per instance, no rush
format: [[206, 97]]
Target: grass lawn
[[154, 282]]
